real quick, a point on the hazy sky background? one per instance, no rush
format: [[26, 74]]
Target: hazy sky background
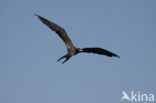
[[29, 50]]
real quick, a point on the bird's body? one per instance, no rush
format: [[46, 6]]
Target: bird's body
[[71, 49]]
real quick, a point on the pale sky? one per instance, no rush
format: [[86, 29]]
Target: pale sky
[[30, 73]]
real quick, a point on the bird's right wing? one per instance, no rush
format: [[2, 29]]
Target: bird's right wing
[[59, 30], [99, 51]]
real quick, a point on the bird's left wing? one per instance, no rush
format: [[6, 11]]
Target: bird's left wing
[[59, 30], [99, 51]]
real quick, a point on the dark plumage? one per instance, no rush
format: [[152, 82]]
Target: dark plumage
[[72, 50], [99, 51]]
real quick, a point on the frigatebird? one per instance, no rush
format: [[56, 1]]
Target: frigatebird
[[71, 49]]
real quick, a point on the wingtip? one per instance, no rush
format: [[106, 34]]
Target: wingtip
[[36, 15], [117, 56]]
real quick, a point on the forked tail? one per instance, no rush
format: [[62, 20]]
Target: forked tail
[[65, 56]]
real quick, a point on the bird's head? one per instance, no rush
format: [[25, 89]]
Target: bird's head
[[79, 50]]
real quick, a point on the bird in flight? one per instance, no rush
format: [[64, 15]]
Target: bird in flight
[[71, 49]]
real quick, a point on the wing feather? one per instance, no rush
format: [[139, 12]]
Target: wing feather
[[59, 30], [99, 51]]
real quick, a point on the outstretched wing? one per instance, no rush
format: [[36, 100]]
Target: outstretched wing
[[99, 51], [59, 30]]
